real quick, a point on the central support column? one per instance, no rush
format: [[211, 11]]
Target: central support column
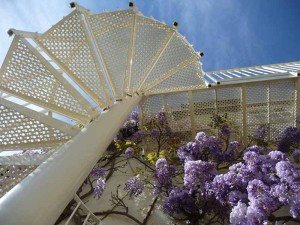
[[42, 196]]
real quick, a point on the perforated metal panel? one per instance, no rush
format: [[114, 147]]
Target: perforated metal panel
[[152, 106], [35, 156], [67, 42], [12, 175], [24, 75], [175, 53], [282, 107], [186, 78], [17, 129], [109, 21], [139, 53], [204, 107], [229, 103], [272, 103], [257, 98], [178, 108], [146, 49], [112, 32]]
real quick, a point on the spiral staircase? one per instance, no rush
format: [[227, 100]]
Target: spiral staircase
[[66, 92]]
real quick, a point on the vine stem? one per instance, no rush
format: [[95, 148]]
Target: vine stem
[[118, 213], [150, 211], [134, 157]]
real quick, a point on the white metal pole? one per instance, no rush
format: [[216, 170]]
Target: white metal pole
[[42, 196]]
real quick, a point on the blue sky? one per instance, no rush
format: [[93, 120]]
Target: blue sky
[[232, 34]]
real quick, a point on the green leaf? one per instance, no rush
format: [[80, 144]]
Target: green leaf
[[152, 157]]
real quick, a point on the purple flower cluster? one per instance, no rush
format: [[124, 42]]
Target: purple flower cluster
[[155, 133], [197, 174], [190, 151], [257, 183], [208, 148], [163, 176], [130, 127], [134, 116], [161, 118], [261, 133], [180, 201], [138, 136], [290, 138], [230, 154], [287, 172], [134, 186], [225, 131], [296, 155], [97, 172], [258, 186], [99, 188], [129, 152]]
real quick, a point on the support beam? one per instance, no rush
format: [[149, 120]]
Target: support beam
[[156, 60], [34, 201], [170, 73], [66, 70], [98, 53], [130, 56], [50, 121], [71, 90]]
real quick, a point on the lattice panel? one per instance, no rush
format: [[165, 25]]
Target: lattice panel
[[282, 107], [282, 102], [204, 108], [68, 43], [114, 43], [276, 130], [178, 108], [152, 106], [229, 103], [176, 52], [26, 75], [257, 98], [19, 130], [150, 38], [12, 175], [150, 109], [186, 78], [35, 156], [107, 22], [272, 103], [177, 111]]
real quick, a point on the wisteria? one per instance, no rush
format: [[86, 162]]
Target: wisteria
[[97, 172], [99, 188], [197, 174], [129, 152], [261, 133], [138, 136], [296, 155], [213, 179], [134, 186], [163, 176]]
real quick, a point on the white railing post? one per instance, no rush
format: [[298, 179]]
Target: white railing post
[[42, 196]]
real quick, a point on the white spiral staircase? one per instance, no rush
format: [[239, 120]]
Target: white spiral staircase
[[89, 70], [68, 91]]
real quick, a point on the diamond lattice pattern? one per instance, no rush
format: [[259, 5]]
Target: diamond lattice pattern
[[25, 75], [67, 42]]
